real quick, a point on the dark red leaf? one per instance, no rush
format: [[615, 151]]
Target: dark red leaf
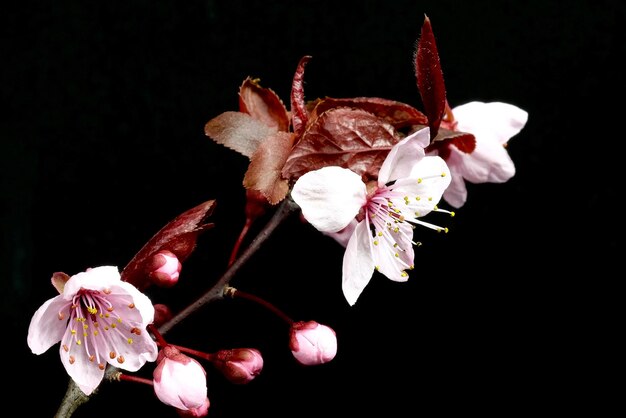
[[179, 236], [263, 104], [464, 141], [299, 115], [345, 137], [430, 77], [398, 114]]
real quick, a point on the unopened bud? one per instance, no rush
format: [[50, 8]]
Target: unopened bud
[[179, 380], [162, 314], [312, 343], [239, 365], [165, 268], [201, 411]]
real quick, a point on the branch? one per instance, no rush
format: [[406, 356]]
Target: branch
[[74, 397]]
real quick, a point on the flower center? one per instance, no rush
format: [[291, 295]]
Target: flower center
[[92, 323]]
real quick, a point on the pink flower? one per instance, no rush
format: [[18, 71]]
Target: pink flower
[[239, 365], [98, 319], [312, 343], [201, 411], [179, 380], [409, 186], [165, 269], [493, 125]]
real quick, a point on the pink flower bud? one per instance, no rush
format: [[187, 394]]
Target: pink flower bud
[[201, 411], [312, 343], [179, 380], [165, 268], [162, 314], [239, 365]]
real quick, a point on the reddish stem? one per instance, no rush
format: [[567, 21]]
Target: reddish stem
[[130, 378], [242, 235], [199, 354], [157, 335], [244, 295]]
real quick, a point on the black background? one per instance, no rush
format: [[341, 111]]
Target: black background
[[103, 143]]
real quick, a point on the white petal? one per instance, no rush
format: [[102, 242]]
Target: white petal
[[46, 329], [456, 192], [403, 156], [393, 261], [329, 197], [489, 163], [497, 120], [428, 180], [358, 265], [97, 278]]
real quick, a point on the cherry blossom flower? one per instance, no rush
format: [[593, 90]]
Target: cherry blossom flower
[[179, 380], [312, 343], [98, 319], [165, 268], [201, 411], [409, 186], [493, 125]]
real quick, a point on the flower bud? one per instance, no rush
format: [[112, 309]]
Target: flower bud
[[312, 343], [165, 268], [201, 411], [162, 314], [179, 380], [239, 365]]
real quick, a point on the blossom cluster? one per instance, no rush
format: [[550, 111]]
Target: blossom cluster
[[366, 171]]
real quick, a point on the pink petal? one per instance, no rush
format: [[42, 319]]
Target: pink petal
[[403, 156], [390, 265], [329, 197], [46, 328], [358, 264], [489, 163], [86, 374]]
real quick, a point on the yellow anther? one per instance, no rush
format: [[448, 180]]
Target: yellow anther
[[380, 233], [375, 242], [443, 174], [73, 332], [417, 214], [113, 325], [430, 199], [96, 333], [418, 198], [452, 214], [404, 274], [130, 341], [419, 181], [119, 320], [412, 266], [435, 207], [397, 255], [395, 245], [78, 342], [85, 326], [92, 310], [106, 315], [377, 268], [396, 229], [445, 230]]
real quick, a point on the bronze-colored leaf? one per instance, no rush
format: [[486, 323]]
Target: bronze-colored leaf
[[264, 171], [178, 236], [263, 104], [299, 116], [238, 131], [345, 137], [430, 77], [398, 114]]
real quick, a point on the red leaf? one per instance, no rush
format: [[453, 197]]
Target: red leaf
[[430, 77], [299, 117], [238, 131], [264, 171], [464, 141], [263, 104], [178, 236], [397, 114], [349, 138]]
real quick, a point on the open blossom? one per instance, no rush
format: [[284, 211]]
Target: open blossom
[[179, 380], [98, 319], [409, 186], [312, 343], [492, 124]]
